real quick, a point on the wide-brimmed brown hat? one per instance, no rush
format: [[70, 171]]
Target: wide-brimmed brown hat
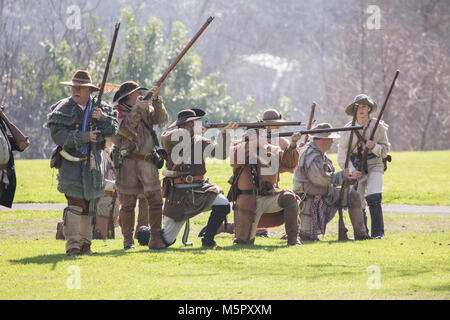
[[271, 115], [126, 89], [324, 135], [361, 99], [187, 115], [81, 78]]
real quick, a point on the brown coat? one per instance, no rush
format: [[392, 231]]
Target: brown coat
[[187, 203], [138, 176]]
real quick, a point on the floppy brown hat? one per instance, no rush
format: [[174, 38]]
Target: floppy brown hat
[[187, 115], [361, 99], [81, 78], [126, 89], [272, 115]]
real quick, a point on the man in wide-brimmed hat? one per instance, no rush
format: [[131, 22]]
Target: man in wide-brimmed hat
[[370, 186], [138, 175], [187, 191], [271, 220], [315, 178], [259, 202], [75, 124]]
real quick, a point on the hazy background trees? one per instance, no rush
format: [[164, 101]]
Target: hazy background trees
[[255, 54]]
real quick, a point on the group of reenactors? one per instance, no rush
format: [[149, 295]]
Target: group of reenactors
[[127, 155]]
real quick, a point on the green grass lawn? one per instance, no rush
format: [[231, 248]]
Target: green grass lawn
[[411, 263], [419, 178]]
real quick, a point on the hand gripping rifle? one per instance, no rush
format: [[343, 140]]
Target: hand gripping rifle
[[93, 153], [179, 57], [342, 233], [363, 162]]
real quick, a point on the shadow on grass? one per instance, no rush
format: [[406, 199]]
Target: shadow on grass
[[55, 258]]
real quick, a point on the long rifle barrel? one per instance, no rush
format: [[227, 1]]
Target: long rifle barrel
[[180, 56], [254, 124], [380, 115], [288, 134], [108, 63]]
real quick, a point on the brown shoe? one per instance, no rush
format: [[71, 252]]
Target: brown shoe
[[86, 249], [73, 252]]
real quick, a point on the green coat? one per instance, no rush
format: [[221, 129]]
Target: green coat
[[65, 120]]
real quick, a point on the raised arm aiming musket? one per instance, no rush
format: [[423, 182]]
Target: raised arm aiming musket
[[94, 163]]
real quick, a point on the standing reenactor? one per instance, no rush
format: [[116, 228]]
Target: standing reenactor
[[188, 192], [138, 173], [316, 181], [81, 182], [370, 186], [255, 185], [11, 139]]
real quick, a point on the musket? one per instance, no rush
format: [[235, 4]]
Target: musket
[[21, 140], [342, 233], [179, 57], [314, 131], [258, 124], [310, 121], [372, 135], [93, 154]]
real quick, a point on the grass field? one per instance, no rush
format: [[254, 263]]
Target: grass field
[[411, 263], [419, 178]]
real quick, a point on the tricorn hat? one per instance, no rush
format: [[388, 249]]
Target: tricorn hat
[[187, 115], [126, 89], [324, 135], [81, 78], [361, 99]]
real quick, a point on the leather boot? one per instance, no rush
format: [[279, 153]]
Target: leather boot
[[218, 215], [365, 220], [142, 219], [126, 219], [101, 228], [72, 217], [376, 215], [155, 219], [292, 226], [59, 231], [356, 216], [86, 231]]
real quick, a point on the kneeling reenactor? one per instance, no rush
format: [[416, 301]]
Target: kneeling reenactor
[[187, 192], [255, 185], [316, 181]]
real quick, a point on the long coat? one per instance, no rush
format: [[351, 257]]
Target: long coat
[[7, 196], [75, 179]]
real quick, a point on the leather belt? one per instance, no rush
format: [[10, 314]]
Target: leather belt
[[187, 179], [251, 192], [135, 156]]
